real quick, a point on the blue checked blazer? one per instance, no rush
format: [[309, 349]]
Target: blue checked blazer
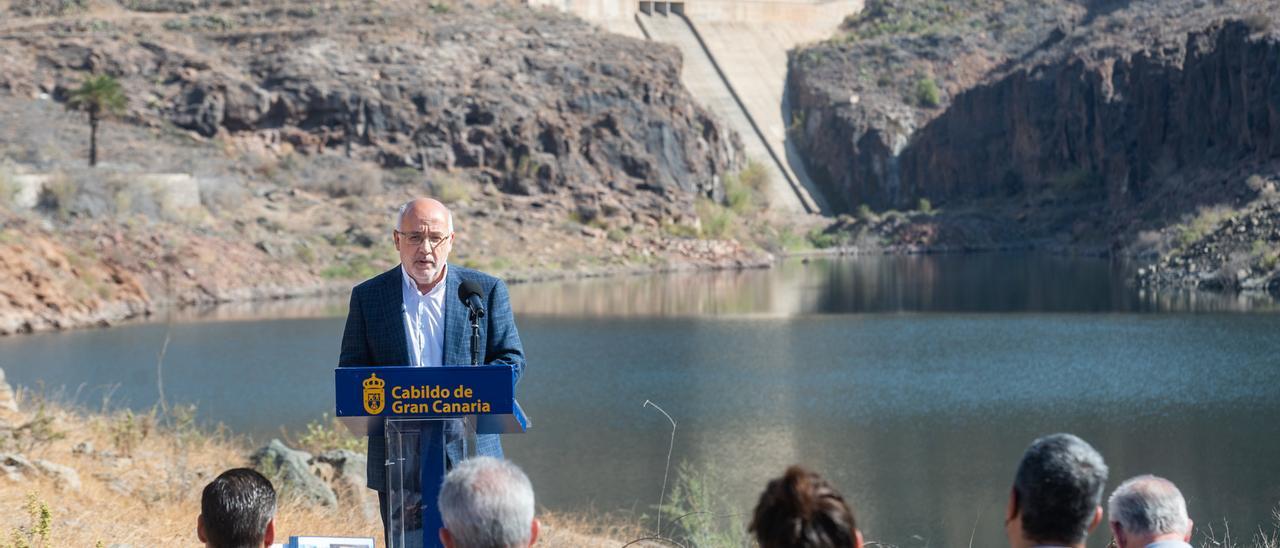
[[374, 336]]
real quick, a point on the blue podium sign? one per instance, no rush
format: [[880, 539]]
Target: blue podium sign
[[423, 392], [409, 408]]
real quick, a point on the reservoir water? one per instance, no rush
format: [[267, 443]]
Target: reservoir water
[[914, 383]]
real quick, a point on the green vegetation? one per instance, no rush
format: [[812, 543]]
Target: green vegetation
[[100, 96], [203, 23], [925, 206], [742, 189], [36, 533], [328, 433], [715, 220], [788, 240], [1266, 255], [927, 93], [865, 214], [896, 18], [129, 430], [449, 188], [35, 434], [357, 267], [1203, 224], [698, 514], [822, 239]]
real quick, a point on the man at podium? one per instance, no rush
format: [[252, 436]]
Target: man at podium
[[414, 315]]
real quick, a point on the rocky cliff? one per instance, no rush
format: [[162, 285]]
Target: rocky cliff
[[1089, 123], [295, 129], [1119, 125], [535, 102], [1119, 95]]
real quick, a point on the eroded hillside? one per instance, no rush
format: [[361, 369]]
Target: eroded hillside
[[295, 128]]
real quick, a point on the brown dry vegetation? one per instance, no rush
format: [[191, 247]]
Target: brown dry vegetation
[[141, 476], [140, 480]]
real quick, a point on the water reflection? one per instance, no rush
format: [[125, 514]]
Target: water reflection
[[919, 417], [876, 284]]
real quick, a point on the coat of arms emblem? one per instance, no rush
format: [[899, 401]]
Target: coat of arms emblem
[[375, 395]]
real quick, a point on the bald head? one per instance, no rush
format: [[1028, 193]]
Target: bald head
[[423, 206], [424, 239], [1148, 509]]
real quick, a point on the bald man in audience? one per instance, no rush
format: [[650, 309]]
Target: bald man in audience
[[1149, 512]]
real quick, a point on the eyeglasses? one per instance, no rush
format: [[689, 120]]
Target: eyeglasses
[[416, 239]]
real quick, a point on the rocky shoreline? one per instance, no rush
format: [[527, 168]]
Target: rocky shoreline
[[1073, 124]]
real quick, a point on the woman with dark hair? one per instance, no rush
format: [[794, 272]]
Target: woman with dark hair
[[801, 510]]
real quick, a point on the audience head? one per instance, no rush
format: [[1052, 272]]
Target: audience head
[[800, 509], [1057, 492], [487, 503], [1148, 509], [237, 510]]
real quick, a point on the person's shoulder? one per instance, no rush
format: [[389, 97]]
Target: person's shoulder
[[378, 281], [484, 279]]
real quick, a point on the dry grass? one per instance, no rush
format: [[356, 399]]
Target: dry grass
[[140, 482], [141, 478]]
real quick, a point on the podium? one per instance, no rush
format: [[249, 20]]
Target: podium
[[418, 410]]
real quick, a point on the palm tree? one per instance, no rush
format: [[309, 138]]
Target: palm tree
[[100, 96]]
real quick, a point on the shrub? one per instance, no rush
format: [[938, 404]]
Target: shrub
[[326, 434], [354, 267], [699, 513], [925, 206], [716, 222], [864, 213], [927, 93], [449, 188], [742, 190], [39, 524], [823, 240], [1203, 224]]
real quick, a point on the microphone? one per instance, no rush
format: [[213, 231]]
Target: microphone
[[469, 293]]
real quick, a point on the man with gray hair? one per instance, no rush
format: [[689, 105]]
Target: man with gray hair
[[1056, 498], [1149, 512], [413, 316], [487, 503]]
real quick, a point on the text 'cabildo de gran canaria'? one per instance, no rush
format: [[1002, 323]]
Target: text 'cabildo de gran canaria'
[[421, 400], [434, 396]]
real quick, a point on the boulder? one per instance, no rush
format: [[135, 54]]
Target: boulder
[[345, 472], [292, 469], [15, 467], [66, 477]]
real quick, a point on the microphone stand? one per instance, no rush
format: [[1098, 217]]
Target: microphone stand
[[475, 337], [470, 442]]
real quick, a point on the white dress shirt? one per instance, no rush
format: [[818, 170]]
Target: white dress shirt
[[424, 322]]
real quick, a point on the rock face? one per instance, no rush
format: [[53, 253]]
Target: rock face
[[1123, 124], [1112, 103], [858, 99], [293, 470], [535, 103]]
